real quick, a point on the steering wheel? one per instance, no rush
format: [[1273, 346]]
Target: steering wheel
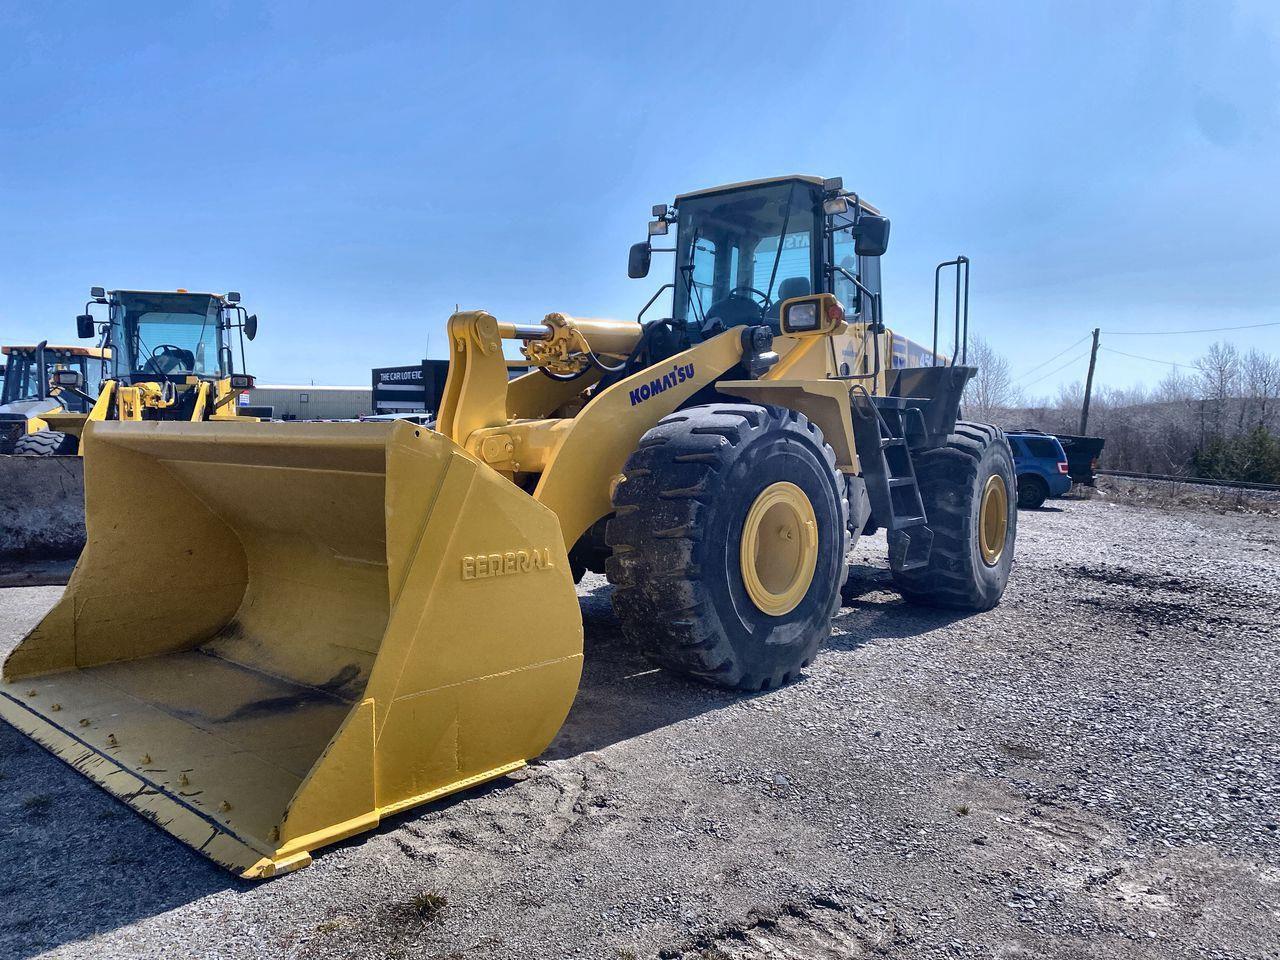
[[763, 296], [736, 309], [169, 358]]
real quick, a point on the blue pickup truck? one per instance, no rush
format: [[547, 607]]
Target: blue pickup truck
[[1041, 466]]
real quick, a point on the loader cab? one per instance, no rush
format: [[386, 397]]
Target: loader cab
[[22, 375], [28, 371], [743, 249], [165, 336], [172, 336]]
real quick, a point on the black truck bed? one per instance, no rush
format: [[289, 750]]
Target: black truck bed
[[1082, 456]]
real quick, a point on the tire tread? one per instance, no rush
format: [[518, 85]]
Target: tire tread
[[657, 527], [948, 477]]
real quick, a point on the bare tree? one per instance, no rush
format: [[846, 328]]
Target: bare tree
[[1218, 418], [1071, 398], [1260, 382], [1176, 385], [992, 390], [1219, 379]]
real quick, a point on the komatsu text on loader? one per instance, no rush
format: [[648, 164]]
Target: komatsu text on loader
[[279, 634], [169, 355]]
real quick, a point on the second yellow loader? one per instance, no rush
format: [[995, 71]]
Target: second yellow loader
[[279, 634], [165, 355]]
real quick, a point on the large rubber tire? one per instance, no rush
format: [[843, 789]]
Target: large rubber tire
[[1032, 492], [952, 479], [46, 443], [676, 538]]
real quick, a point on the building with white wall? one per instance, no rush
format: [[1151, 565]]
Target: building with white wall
[[290, 402]]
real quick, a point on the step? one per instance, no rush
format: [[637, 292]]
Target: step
[[892, 403], [900, 522]]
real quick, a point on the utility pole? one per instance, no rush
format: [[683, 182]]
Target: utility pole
[[1088, 384]]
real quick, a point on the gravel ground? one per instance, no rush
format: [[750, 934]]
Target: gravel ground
[[1088, 770]]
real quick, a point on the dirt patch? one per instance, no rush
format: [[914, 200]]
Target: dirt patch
[[1118, 576]]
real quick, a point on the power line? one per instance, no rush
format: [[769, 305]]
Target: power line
[[1134, 356], [1023, 376], [1076, 359], [1174, 333]]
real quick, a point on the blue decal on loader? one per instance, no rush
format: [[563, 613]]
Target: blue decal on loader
[[679, 374]]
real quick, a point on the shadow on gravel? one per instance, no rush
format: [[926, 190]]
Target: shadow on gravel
[[873, 610], [623, 695], [35, 573], [864, 579], [75, 862]]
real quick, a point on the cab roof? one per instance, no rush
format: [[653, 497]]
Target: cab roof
[[99, 353], [180, 293], [801, 177]]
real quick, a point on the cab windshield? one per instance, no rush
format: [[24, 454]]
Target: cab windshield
[[21, 378], [166, 334], [740, 254]]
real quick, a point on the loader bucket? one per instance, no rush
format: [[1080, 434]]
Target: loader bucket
[[279, 633]]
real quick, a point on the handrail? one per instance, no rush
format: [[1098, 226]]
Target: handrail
[[876, 327], [961, 348], [645, 308]]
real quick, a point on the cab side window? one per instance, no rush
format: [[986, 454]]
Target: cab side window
[[866, 269]]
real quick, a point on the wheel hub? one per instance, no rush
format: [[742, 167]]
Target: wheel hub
[[779, 548], [993, 519]]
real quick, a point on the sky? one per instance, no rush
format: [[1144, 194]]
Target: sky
[[358, 171]]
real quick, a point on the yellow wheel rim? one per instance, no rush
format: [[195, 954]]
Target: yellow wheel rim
[[779, 549], [993, 520]]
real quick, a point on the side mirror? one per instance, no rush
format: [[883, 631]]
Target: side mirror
[[251, 326], [97, 293], [233, 297], [84, 326], [871, 236], [638, 260]]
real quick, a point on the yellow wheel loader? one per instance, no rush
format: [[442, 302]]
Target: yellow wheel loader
[[279, 634], [167, 355], [26, 395]]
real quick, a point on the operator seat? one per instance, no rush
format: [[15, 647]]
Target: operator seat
[[788, 288], [793, 287]]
